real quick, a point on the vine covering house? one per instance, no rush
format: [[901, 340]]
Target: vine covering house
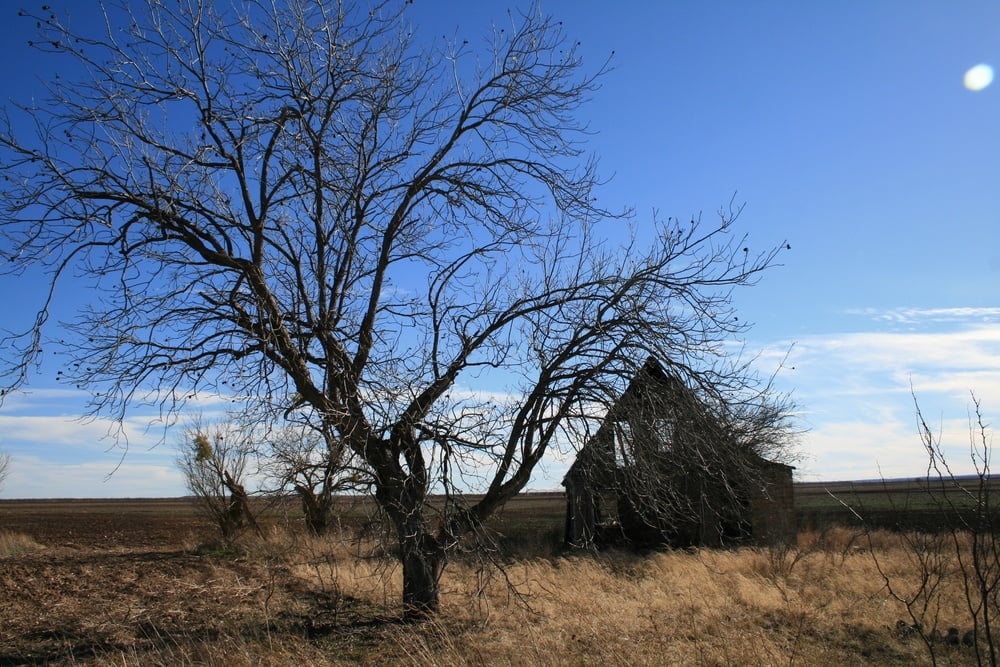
[[664, 467]]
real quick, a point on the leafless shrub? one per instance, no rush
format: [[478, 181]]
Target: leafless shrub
[[317, 466], [214, 460], [964, 557]]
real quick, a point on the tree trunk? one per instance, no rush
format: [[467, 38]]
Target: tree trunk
[[317, 524], [316, 510], [421, 578], [423, 561], [421, 552]]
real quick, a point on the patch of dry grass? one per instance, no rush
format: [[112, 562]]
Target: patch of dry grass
[[293, 599], [12, 544], [820, 601]]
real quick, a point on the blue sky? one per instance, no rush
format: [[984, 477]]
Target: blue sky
[[844, 127]]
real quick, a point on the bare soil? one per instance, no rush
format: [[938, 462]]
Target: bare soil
[[122, 578], [104, 524]]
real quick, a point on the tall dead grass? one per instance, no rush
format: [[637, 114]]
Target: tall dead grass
[[13, 544], [820, 601]]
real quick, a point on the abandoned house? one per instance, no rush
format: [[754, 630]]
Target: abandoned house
[[662, 469]]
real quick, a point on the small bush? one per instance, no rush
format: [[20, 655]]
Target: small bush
[[12, 544]]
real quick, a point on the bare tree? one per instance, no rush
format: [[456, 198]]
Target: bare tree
[[214, 462], [317, 466], [310, 202], [4, 467]]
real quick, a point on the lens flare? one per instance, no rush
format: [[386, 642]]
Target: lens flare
[[978, 77]]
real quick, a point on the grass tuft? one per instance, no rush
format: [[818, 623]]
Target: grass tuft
[[13, 544]]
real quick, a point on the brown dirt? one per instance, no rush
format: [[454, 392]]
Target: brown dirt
[[127, 582], [104, 524]]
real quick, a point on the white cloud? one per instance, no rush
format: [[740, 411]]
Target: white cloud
[[55, 452], [857, 392], [141, 474], [85, 434], [918, 315]]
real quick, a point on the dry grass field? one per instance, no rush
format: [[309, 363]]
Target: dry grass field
[[138, 583]]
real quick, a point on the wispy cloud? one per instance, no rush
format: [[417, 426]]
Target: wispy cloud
[[876, 363], [83, 434], [859, 393], [139, 475], [926, 315]]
